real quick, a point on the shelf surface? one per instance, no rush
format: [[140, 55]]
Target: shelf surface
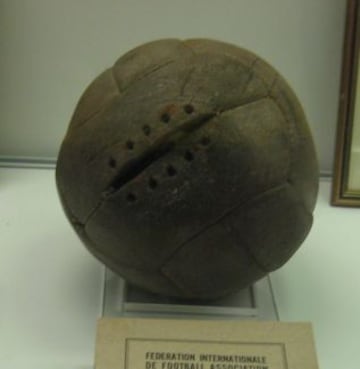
[[51, 287]]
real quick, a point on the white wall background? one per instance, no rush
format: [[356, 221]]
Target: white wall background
[[51, 49]]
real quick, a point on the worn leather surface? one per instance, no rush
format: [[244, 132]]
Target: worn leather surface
[[188, 168]]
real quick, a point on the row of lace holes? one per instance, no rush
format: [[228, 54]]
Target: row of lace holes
[[171, 170]]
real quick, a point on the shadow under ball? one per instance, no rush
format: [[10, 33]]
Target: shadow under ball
[[189, 169]]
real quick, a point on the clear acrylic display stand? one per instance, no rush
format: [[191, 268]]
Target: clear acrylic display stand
[[123, 299]]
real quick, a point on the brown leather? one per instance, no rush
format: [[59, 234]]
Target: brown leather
[[189, 168]]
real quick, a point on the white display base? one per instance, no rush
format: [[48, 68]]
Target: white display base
[[123, 299]]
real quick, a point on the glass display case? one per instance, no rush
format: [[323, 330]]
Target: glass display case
[[123, 299]]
